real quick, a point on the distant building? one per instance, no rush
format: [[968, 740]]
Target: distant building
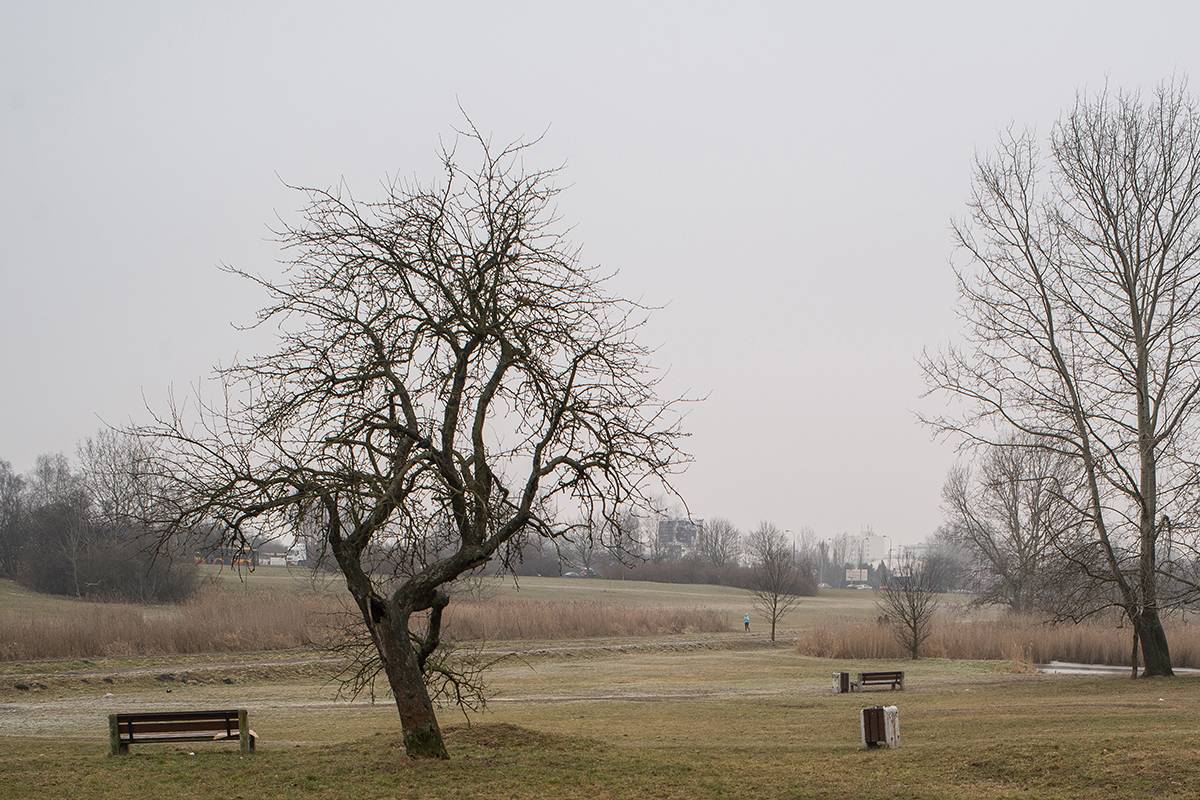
[[907, 556], [297, 554], [867, 548], [678, 538], [875, 547], [272, 553]]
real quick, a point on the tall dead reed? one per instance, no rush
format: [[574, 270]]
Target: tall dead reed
[[218, 621], [1023, 640], [516, 619]]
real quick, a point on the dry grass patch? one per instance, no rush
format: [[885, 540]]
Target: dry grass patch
[[1022, 640], [514, 619], [219, 620], [990, 738]]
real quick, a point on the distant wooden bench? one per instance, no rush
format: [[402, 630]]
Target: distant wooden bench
[[895, 680], [179, 726]]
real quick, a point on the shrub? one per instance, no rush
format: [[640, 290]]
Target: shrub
[[78, 558]]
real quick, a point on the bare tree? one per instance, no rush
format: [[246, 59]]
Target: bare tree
[[59, 504], [449, 378], [908, 601], [1010, 517], [778, 578], [53, 482], [13, 532], [628, 538], [838, 554], [116, 471], [581, 546], [720, 542], [1081, 294]]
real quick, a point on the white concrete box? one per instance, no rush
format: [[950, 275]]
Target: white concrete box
[[879, 726]]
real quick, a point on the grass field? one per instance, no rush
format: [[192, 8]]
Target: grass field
[[687, 723], [831, 603], [276, 608], [668, 716]]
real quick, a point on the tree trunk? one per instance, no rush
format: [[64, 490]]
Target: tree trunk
[[1133, 655], [422, 736], [1156, 656]]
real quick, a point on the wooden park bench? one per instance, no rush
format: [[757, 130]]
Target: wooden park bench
[[895, 679], [179, 726]]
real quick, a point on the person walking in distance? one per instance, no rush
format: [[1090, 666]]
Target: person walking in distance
[[746, 622]]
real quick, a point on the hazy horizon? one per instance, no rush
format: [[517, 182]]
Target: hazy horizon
[[780, 180]]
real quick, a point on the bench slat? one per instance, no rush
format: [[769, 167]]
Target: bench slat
[[168, 739], [138, 728], [178, 715]]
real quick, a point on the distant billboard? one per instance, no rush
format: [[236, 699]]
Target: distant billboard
[[856, 576]]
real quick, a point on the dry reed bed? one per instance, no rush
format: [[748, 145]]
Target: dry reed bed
[[1019, 639], [218, 621], [515, 619]]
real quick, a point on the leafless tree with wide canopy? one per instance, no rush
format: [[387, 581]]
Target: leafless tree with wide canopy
[[720, 542], [449, 379], [1081, 297], [908, 600], [777, 576], [1009, 516]]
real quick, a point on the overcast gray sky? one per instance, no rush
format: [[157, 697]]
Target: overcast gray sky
[[780, 175]]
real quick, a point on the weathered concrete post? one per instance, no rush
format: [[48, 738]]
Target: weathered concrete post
[[114, 736], [244, 739], [879, 726]]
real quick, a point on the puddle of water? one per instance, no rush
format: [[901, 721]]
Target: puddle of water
[[1071, 668]]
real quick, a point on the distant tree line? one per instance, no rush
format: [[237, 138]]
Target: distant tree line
[[1015, 512], [74, 528], [722, 556]]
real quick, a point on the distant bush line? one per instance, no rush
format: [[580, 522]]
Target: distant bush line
[[59, 535]]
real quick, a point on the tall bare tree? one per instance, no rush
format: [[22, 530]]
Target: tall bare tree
[[778, 577], [720, 542], [116, 471], [908, 600], [54, 482], [449, 378], [59, 504], [13, 531], [1010, 517], [582, 546], [1081, 293], [838, 555]]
